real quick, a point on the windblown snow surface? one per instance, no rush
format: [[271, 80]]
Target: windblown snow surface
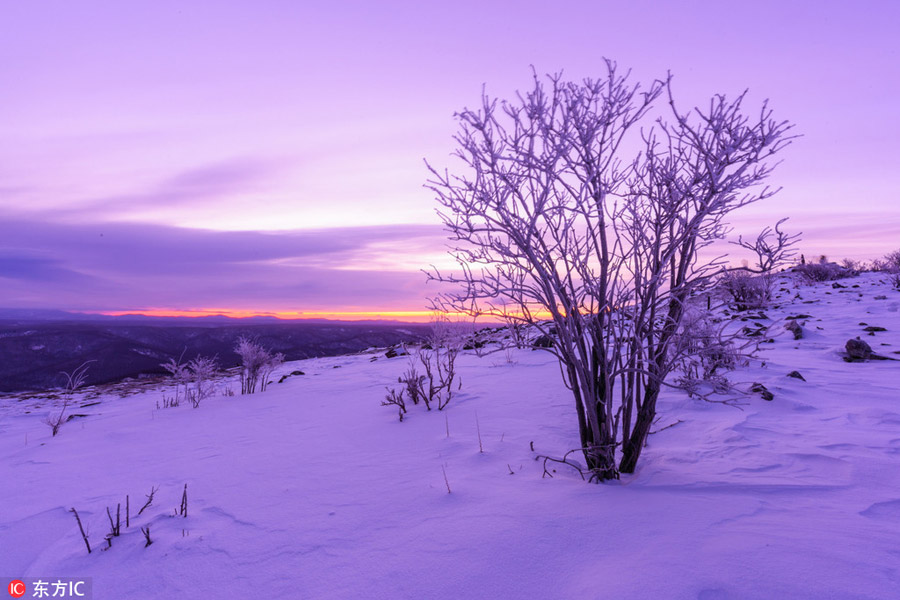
[[314, 490]]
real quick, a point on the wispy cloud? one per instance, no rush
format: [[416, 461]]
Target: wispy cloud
[[212, 184], [122, 266]]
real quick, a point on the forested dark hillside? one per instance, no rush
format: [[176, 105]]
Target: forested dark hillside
[[33, 354]]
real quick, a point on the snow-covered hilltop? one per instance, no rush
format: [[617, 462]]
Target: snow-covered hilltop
[[314, 490]]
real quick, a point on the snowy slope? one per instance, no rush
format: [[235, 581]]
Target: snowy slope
[[314, 490]]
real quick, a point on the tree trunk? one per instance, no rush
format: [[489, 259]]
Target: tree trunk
[[601, 454], [601, 461], [631, 449]]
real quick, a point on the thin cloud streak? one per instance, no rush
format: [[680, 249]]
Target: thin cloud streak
[[124, 266], [210, 185]]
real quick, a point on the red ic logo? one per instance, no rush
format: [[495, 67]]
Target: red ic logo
[[16, 588]]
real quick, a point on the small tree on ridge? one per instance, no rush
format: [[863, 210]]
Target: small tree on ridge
[[600, 250]]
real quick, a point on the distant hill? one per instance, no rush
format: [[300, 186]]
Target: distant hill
[[34, 352]]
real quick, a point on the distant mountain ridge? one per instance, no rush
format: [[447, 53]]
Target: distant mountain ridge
[[34, 352], [32, 315]]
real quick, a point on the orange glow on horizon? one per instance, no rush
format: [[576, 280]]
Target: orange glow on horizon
[[419, 316]]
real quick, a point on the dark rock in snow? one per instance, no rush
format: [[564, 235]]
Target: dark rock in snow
[[291, 374], [873, 329], [794, 328], [750, 332], [544, 341], [394, 352], [796, 375], [762, 391], [858, 350]]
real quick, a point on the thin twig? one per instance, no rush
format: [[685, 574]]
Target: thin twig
[[153, 490], [83, 534], [564, 460], [478, 429], [667, 426], [146, 532]]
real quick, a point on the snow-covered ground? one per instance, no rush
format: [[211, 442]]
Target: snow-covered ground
[[314, 490]]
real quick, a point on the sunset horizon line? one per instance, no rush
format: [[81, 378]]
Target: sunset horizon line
[[293, 315]]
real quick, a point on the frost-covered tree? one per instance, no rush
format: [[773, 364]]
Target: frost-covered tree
[[595, 248]]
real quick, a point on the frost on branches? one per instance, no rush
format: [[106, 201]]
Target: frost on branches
[[554, 226]]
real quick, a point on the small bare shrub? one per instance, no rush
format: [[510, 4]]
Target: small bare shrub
[[167, 402], [413, 384], [894, 278], [181, 376], [892, 260], [877, 265], [395, 398], [74, 380], [202, 369], [193, 380], [257, 365], [518, 332], [438, 359], [703, 351], [852, 267], [821, 271], [746, 291]]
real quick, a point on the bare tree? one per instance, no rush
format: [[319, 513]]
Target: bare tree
[[599, 251]]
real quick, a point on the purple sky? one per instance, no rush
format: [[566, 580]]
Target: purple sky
[[267, 156]]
